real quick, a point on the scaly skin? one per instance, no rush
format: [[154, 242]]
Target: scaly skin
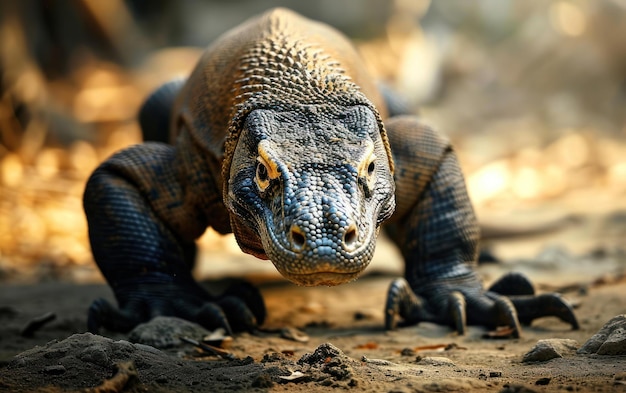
[[278, 136]]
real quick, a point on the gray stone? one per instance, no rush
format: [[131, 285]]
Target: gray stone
[[609, 340], [551, 348], [437, 361], [95, 354], [165, 332], [147, 348], [516, 389], [56, 369]]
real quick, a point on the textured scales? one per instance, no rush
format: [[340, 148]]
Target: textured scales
[[278, 136]]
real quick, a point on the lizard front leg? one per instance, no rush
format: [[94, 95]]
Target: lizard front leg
[[142, 227], [436, 230]]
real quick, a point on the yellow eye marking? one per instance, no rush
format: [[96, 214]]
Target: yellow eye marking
[[266, 168], [367, 166]]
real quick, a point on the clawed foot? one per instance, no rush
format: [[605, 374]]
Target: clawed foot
[[511, 301], [239, 308]]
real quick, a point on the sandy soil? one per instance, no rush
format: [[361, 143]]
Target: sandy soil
[[362, 357], [586, 262]]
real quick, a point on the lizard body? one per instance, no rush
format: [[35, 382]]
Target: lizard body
[[280, 136]]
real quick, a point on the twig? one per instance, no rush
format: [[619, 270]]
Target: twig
[[126, 374], [37, 323], [209, 348]]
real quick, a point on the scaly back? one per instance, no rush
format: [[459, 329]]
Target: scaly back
[[279, 60]]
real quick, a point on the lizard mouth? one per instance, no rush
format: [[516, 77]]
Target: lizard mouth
[[309, 268], [321, 278]]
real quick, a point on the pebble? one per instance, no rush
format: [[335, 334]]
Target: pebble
[[609, 340], [408, 352], [516, 389], [321, 355], [164, 332], [551, 348], [95, 354], [436, 361], [56, 369], [543, 381], [621, 376]]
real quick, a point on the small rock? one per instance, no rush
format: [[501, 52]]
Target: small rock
[[609, 340], [360, 316], [57, 353], [147, 348], [164, 332], [273, 357], [294, 334], [495, 374], [548, 349], [330, 360], [621, 376], [8, 312], [322, 354], [436, 361], [408, 352], [56, 369], [543, 381], [377, 362], [516, 389], [95, 354], [553, 255], [263, 381]]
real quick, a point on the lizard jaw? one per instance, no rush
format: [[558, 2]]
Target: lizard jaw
[[321, 278], [311, 267]]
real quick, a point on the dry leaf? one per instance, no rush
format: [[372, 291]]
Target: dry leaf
[[368, 345], [294, 334], [295, 376], [500, 332]]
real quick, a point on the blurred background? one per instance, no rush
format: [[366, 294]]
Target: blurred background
[[532, 93]]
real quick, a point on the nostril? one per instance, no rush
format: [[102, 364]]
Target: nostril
[[350, 237], [297, 237]]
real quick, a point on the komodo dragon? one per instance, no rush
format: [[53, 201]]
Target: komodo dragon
[[280, 136]]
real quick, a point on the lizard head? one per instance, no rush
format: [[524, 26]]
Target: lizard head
[[309, 189]]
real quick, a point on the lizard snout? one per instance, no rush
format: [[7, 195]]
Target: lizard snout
[[350, 238], [299, 240], [297, 237]]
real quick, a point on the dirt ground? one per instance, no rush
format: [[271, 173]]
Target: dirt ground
[[362, 357]]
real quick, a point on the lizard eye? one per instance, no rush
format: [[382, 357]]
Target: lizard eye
[[370, 168], [262, 175], [266, 167], [371, 171], [367, 173]]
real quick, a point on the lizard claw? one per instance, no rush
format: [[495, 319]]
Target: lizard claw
[[544, 305], [510, 302], [102, 314], [506, 315], [211, 317], [239, 315], [402, 302], [458, 311], [239, 309], [396, 295], [500, 311], [530, 306], [251, 297]]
